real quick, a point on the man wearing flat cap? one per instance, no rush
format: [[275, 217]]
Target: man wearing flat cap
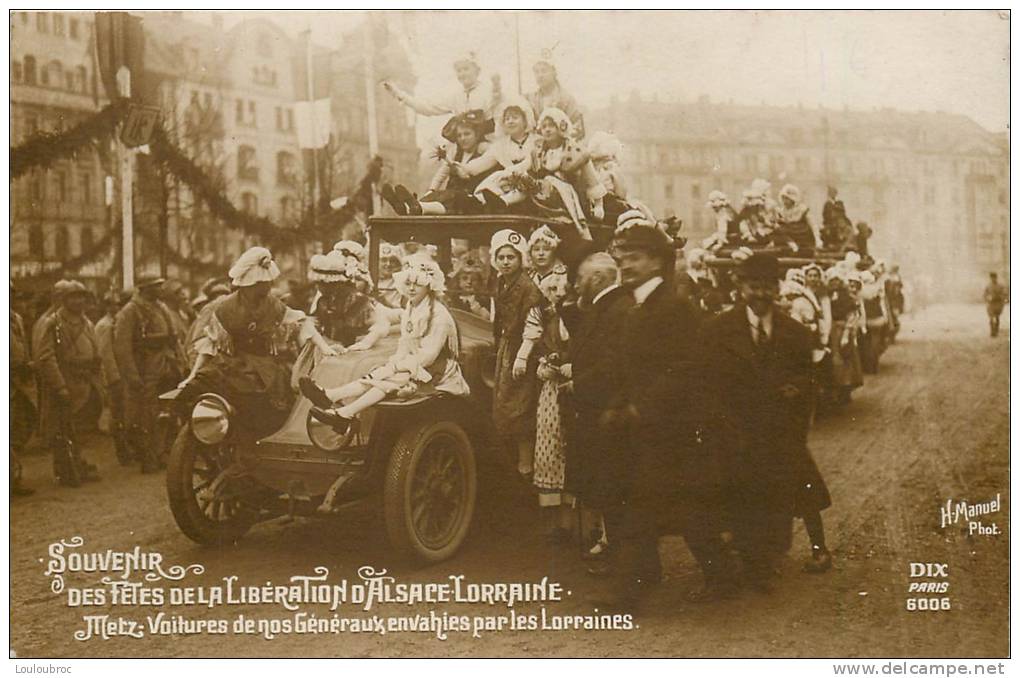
[[150, 359], [654, 416], [56, 296], [67, 363], [757, 390]]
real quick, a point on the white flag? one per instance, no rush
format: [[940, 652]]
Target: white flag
[[313, 123]]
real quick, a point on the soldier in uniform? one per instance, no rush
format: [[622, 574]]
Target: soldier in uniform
[[112, 303], [67, 359], [995, 298], [59, 288], [22, 399], [150, 359]]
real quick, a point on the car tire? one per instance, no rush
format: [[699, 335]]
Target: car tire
[[430, 491], [210, 523]]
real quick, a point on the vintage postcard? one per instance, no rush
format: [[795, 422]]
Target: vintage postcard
[[513, 334]]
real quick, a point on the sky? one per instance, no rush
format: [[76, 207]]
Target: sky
[[953, 61]]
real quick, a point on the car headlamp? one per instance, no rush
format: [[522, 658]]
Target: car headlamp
[[323, 436], [210, 419]]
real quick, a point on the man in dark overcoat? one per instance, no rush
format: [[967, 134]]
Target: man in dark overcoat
[[595, 454], [657, 407], [757, 389]]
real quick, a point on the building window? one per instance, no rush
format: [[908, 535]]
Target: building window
[[61, 180], [29, 70], [264, 45], [285, 169], [250, 203], [42, 22], [695, 191], [87, 239], [286, 208], [58, 24], [668, 190], [279, 118], [289, 117], [63, 248], [239, 112], [44, 75], [74, 26], [16, 71], [252, 119], [207, 101], [82, 79], [35, 187], [247, 167], [86, 188], [36, 241]]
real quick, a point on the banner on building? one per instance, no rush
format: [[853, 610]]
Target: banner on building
[[312, 119]]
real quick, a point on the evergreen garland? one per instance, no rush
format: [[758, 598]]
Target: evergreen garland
[[45, 148]]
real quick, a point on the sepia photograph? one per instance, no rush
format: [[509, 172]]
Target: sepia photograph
[[510, 334]]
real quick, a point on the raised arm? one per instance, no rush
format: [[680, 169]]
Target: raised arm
[[418, 105]]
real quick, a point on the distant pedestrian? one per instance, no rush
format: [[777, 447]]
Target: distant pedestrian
[[996, 296]]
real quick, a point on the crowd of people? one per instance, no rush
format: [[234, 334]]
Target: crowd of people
[[635, 387], [641, 390]]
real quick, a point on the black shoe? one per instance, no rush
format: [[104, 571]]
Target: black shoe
[[339, 423], [821, 561], [314, 392], [407, 199], [390, 196]]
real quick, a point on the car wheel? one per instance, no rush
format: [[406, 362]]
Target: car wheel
[[207, 507], [429, 493]]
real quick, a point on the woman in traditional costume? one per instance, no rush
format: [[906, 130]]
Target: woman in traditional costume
[[793, 224], [427, 353], [252, 338], [515, 390], [565, 172], [508, 158]]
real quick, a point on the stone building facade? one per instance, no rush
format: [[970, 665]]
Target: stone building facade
[[933, 186], [228, 99]]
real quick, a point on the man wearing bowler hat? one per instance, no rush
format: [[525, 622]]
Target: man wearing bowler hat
[[150, 359], [653, 419], [757, 377]]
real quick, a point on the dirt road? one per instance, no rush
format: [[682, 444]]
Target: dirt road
[[932, 426]]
